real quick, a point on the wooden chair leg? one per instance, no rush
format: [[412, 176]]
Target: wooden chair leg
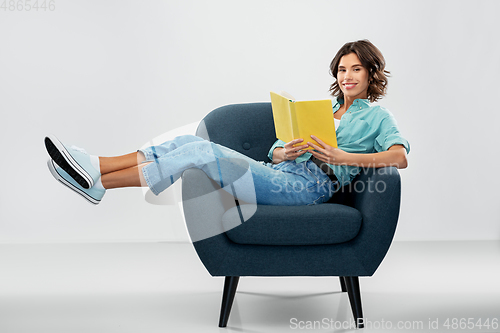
[[230, 285], [342, 284], [352, 285]]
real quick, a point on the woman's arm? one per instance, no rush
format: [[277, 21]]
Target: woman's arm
[[394, 156], [289, 152]]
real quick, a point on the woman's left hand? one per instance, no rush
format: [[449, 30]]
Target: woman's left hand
[[328, 154]]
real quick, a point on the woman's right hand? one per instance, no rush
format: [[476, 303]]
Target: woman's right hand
[[290, 152]]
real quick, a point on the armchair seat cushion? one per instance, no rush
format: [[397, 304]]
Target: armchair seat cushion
[[322, 224]]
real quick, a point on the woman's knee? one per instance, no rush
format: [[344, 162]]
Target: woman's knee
[[188, 138]]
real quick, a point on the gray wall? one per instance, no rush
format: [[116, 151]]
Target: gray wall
[[110, 76]]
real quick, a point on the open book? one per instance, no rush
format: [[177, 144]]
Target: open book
[[301, 119]]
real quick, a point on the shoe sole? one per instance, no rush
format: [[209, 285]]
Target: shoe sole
[[58, 177], [63, 158]]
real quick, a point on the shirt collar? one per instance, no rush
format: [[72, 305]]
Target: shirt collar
[[359, 103]]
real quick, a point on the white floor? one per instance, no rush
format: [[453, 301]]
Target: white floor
[[163, 287]]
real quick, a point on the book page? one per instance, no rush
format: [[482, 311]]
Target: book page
[[316, 118], [287, 95], [282, 117]]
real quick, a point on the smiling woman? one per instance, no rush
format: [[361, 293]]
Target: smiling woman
[[361, 56], [353, 77], [367, 137]]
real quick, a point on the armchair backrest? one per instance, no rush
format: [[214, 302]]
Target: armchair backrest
[[246, 128]]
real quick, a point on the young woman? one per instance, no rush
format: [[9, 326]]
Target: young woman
[[367, 136]]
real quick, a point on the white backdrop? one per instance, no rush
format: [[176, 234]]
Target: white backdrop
[[110, 76]]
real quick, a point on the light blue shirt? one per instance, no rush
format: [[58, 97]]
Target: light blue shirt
[[364, 128]]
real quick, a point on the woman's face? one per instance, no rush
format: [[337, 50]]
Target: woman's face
[[352, 77]]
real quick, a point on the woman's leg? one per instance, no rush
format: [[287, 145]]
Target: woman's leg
[[126, 170], [122, 171], [112, 164], [90, 175], [252, 181], [129, 177]]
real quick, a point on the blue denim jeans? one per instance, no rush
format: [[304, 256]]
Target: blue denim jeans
[[287, 183]]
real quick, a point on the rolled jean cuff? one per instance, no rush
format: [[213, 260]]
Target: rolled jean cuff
[[147, 172], [148, 178], [148, 154]]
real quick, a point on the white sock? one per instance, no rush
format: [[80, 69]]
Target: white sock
[[94, 160], [98, 185]]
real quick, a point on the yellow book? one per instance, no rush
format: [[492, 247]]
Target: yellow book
[[301, 119]]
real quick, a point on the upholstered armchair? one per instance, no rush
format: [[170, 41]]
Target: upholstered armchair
[[347, 237]]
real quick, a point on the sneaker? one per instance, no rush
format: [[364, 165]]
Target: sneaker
[[93, 195], [74, 161]]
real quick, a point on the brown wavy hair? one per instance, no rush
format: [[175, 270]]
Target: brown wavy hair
[[372, 59]]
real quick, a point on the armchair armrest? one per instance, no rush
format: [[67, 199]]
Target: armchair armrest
[[204, 203], [376, 193]]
